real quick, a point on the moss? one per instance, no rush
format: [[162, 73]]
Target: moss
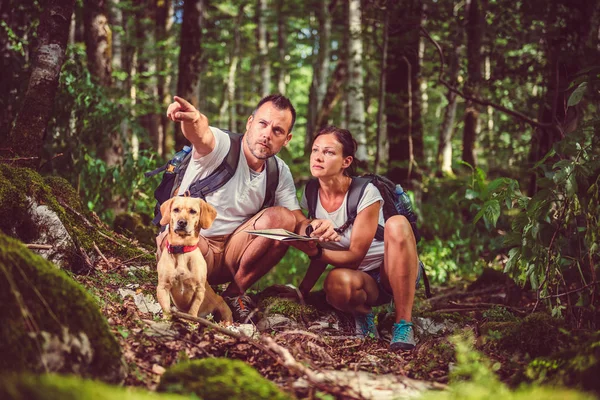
[[288, 308], [577, 367], [56, 387], [37, 297], [537, 335], [137, 226], [499, 314], [16, 184], [432, 356], [217, 379]]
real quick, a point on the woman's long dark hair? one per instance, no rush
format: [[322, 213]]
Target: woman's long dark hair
[[346, 140]]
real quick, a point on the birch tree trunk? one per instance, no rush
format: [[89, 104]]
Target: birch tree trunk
[[320, 78], [188, 85], [263, 49], [356, 95], [27, 136]]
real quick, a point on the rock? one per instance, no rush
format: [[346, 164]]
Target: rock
[[373, 386], [49, 322], [429, 326], [56, 387], [246, 329], [144, 302], [276, 322], [160, 328], [218, 379]]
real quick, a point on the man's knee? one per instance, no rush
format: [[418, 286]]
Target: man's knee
[[276, 217]]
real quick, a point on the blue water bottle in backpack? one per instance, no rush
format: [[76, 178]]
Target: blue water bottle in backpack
[[404, 207], [178, 159]]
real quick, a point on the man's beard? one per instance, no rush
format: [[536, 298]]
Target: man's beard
[[255, 153]]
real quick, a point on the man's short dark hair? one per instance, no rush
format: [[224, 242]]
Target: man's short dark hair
[[281, 103]]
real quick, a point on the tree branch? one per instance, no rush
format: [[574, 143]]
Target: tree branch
[[498, 107]]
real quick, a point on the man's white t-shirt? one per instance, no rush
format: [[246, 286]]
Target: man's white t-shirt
[[242, 197], [374, 257]]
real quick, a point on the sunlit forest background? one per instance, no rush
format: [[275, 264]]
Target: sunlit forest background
[[486, 111]]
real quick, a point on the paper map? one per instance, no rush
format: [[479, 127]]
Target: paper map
[[280, 234]]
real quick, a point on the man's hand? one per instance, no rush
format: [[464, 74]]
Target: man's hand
[[194, 125]]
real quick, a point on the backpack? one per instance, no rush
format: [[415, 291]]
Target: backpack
[[395, 202], [171, 180]]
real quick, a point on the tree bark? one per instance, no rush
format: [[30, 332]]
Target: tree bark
[[356, 94], [281, 47], [318, 87], [382, 151], [332, 96], [403, 100], [475, 30], [228, 105], [160, 37], [263, 48], [444, 153], [188, 85], [27, 136], [98, 39]]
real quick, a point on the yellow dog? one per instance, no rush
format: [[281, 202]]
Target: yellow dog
[[181, 267]]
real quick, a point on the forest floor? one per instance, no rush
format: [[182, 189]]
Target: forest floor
[[152, 344]]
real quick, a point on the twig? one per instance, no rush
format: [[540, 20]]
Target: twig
[[101, 255], [508, 111], [571, 291], [277, 352], [34, 246]]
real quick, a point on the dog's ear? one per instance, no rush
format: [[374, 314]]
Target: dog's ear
[[207, 214], [165, 211]]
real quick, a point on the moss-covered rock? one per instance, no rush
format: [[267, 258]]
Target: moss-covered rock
[[49, 322], [47, 210], [57, 387], [537, 335], [217, 379], [138, 226], [288, 308], [577, 367]]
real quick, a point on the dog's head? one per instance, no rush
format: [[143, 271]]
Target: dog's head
[[187, 215]]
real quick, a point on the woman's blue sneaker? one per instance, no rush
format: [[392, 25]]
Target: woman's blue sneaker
[[365, 325], [403, 336]]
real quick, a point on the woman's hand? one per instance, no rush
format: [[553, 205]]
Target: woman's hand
[[324, 230]]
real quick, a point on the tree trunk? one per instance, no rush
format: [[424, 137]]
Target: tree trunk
[[281, 47], [383, 147], [403, 99], [228, 105], [475, 30], [188, 85], [332, 96], [263, 48], [444, 153], [160, 37], [117, 37], [98, 37], [29, 130], [356, 94], [318, 87]]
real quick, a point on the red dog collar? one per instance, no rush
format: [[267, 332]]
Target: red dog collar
[[180, 249]]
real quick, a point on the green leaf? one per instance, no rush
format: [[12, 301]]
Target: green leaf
[[577, 94], [491, 211], [471, 194]]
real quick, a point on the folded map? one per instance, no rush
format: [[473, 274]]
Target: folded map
[[279, 234]]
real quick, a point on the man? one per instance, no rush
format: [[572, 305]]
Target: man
[[231, 254]]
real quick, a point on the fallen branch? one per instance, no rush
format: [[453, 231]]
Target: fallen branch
[[278, 353], [38, 246], [101, 255]]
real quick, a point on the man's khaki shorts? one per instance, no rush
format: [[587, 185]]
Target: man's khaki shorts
[[223, 253]]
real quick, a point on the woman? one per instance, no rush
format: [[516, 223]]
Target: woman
[[368, 272]]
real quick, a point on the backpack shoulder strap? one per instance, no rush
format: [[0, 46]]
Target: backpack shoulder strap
[[311, 192], [272, 182], [355, 193], [223, 173]]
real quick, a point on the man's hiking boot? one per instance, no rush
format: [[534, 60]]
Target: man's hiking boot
[[242, 308], [365, 326], [403, 336]]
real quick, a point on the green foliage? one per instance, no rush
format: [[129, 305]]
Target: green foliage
[[474, 379], [219, 378], [554, 234]]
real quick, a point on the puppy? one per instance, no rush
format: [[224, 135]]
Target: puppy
[[181, 267]]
